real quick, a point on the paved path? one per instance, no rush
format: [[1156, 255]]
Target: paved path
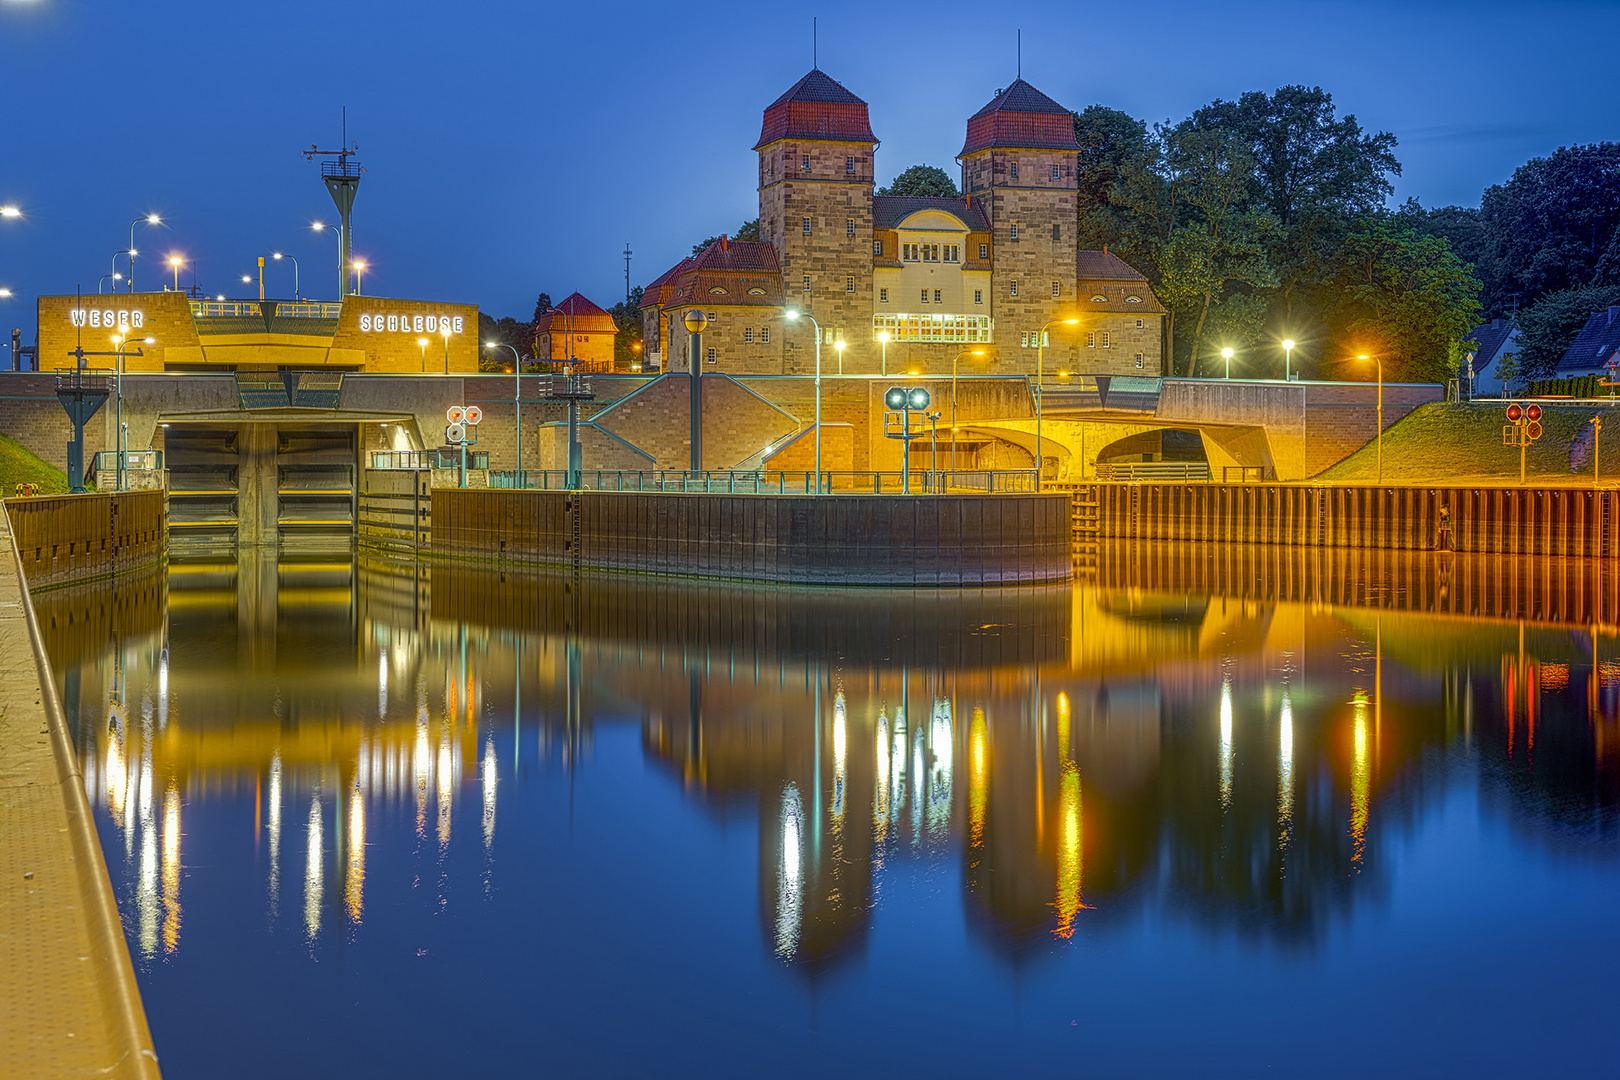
[[69, 1006]]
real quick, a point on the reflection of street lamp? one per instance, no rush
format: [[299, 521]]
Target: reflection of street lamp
[[1380, 363], [1040, 353], [883, 336], [955, 464], [1226, 354], [279, 255], [1288, 360], [791, 315]]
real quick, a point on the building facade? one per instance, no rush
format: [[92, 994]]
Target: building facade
[[906, 284], [576, 329]]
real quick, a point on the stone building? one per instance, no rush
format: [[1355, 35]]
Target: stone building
[[576, 328], [910, 284]]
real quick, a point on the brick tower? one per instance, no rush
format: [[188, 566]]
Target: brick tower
[[1018, 166], [815, 206]]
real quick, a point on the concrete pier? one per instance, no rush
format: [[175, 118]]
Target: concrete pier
[[69, 1005]]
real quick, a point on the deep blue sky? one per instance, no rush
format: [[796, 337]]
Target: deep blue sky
[[514, 147]]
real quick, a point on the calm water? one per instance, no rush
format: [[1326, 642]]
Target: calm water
[[364, 819]]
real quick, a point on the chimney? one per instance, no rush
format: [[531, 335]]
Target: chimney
[[725, 242], [1105, 250]]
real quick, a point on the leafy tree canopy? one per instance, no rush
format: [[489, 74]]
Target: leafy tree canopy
[[1459, 226], [926, 180], [1549, 326], [748, 230]]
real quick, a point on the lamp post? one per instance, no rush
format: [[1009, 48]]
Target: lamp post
[[933, 423], [279, 255], [359, 269], [343, 271], [1380, 363], [422, 344], [696, 322], [1040, 356], [1288, 360], [150, 219], [1226, 354], [839, 345], [517, 398], [955, 464], [883, 336], [791, 315], [176, 262], [116, 277], [444, 328], [119, 342]]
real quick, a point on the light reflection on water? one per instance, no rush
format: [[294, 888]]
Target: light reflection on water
[[795, 755]]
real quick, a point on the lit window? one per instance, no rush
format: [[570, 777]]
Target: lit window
[[925, 296], [711, 356], [1015, 170], [849, 226], [807, 283], [984, 251], [1015, 287], [828, 336], [1091, 340], [765, 335], [748, 335], [883, 296], [1105, 339], [1023, 340], [1138, 359], [849, 164], [937, 300], [849, 283], [978, 296], [1139, 324], [807, 226], [804, 163], [1015, 230], [1056, 288]]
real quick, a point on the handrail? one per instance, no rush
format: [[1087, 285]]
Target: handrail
[[769, 482]]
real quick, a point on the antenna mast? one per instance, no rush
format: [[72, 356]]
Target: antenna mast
[[627, 254], [342, 178]]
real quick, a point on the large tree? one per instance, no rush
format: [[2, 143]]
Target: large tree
[[1548, 327], [927, 180], [1117, 183]]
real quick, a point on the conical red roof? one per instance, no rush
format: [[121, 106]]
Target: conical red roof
[[816, 107], [1020, 117]]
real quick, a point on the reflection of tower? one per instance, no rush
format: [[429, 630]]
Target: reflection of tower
[[342, 178]]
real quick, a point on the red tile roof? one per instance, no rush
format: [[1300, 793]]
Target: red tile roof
[[816, 107], [657, 291], [1104, 266], [576, 313], [730, 272], [1020, 117]]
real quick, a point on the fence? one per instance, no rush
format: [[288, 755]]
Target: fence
[[417, 460], [740, 482], [1185, 472]]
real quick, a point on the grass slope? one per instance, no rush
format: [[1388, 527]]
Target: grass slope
[[19, 465], [1463, 444]]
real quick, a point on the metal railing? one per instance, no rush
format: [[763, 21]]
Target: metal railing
[[761, 482], [306, 309], [225, 309], [134, 461], [1186, 472], [441, 458]]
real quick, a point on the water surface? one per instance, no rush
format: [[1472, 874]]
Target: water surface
[[1213, 815]]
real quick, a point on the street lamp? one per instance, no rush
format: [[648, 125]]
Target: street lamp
[[5, 294], [1040, 355], [149, 219], [883, 336], [120, 341], [1226, 354], [444, 328], [1379, 361], [965, 352], [359, 269], [517, 398], [791, 315], [839, 345], [10, 211], [343, 271], [176, 261], [422, 342], [116, 277], [1288, 358], [278, 255]]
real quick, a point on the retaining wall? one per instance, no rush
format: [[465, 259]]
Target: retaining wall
[[67, 538], [950, 540]]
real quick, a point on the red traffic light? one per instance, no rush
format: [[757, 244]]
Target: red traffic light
[[1533, 412], [1514, 412]]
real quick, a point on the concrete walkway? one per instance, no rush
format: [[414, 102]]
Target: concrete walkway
[[69, 1005]]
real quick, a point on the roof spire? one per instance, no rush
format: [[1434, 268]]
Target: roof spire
[[1020, 54], [815, 62]]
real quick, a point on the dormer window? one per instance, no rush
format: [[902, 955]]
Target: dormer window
[[1099, 299], [717, 290]]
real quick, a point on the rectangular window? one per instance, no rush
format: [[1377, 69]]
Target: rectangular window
[[1091, 340], [1056, 288], [827, 336], [807, 283], [984, 251], [978, 296], [953, 253], [883, 296], [764, 335], [1105, 339], [748, 335], [806, 226], [804, 163], [1055, 177], [937, 300], [910, 252], [1015, 287], [1015, 230], [1139, 324], [1057, 230], [877, 249], [849, 283], [951, 329], [925, 296], [1138, 359], [711, 356], [1023, 340], [849, 226], [1015, 170], [849, 164]]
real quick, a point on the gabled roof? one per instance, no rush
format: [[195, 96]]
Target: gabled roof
[[816, 107], [1020, 117], [729, 272], [1492, 336], [1594, 345], [574, 313], [741, 255], [1104, 266], [888, 211], [657, 290]]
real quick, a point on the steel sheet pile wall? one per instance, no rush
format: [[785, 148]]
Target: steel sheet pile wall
[[951, 540], [66, 538], [1508, 521]]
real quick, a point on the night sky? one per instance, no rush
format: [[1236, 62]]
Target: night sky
[[515, 147]]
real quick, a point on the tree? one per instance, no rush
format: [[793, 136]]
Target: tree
[[1403, 296], [1115, 180], [925, 180], [1550, 226], [627, 341], [541, 305], [1459, 225], [748, 230], [1549, 326]]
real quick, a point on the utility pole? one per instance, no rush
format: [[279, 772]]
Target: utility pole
[[627, 254]]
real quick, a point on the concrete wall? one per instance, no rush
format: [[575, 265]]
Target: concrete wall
[[737, 422], [800, 540], [67, 538]]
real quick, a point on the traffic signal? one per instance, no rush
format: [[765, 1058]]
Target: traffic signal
[[895, 397], [917, 399], [1532, 430], [1514, 412], [1532, 412]]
